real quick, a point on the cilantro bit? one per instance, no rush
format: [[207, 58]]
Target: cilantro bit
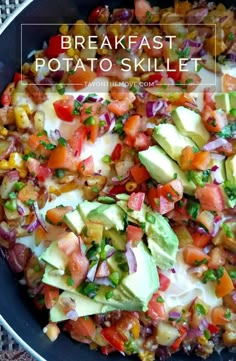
[[25, 157], [70, 282], [198, 263], [60, 173], [228, 130], [48, 146], [232, 274], [230, 36], [160, 299], [106, 159], [200, 309], [227, 230], [89, 110], [19, 186], [61, 88], [230, 190], [108, 295], [62, 141], [90, 121], [193, 209], [150, 218], [228, 314], [12, 195], [114, 278]]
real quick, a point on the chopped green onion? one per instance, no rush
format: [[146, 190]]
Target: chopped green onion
[[207, 334], [62, 141], [61, 88], [108, 295], [115, 278], [228, 314], [70, 282], [193, 209], [48, 146], [25, 157], [106, 159], [19, 185], [160, 299], [11, 205], [60, 173], [233, 112], [89, 110], [12, 195], [90, 121], [200, 309], [150, 218], [106, 199]]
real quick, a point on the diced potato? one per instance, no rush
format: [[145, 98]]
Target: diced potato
[[52, 331], [166, 334], [183, 235], [39, 120], [22, 119]]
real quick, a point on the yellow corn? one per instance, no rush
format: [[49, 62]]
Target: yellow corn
[[25, 68], [70, 52], [136, 330], [202, 340], [16, 161], [128, 31], [33, 68], [81, 28], [192, 35], [104, 51], [3, 131], [147, 356], [52, 331], [64, 28], [27, 108], [22, 119], [115, 29], [4, 164]]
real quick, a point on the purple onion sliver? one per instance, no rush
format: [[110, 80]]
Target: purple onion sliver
[[174, 315], [173, 270], [193, 333], [153, 107], [72, 315], [203, 324], [92, 272], [103, 281], [214, 168], [6, 233], [20, 210], [80, 98], [217, 143], [110, 252], [32, 226], [131, 260], [39, 216]]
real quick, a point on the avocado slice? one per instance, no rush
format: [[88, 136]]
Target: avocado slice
[[53, 278], [117, 239], [109, 215], [84, 306], [74, 221], [232, 98], [223, 102], [54, 256], [163, 169], [190, 124], [230, 165], [85, 207], [171, 140], [159, 232]]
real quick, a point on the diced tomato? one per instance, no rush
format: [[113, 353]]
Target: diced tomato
[[218, 316], [201, 161], [129, 321], [34, 141], [139, 173], [119, 92], [27, 193], [119, 107], [83, 330], [62, 157], [142, 141], [214, 120], [116, 153], [194, 77], [86, 166], [117, 190], [129, 141], [55, 47], [88, 110], [156, 310], [155, 78], [106, 350], [77, 139], [176, 74], [173, 191], [56, 215], [64, 108], [134, 234], [18, 77], [51, 296], [177, 343], [136, 200], [78, 266], [164, 205], [6, 95], [210, 197], [153, 197], [132, 125], [192, 255], [212, 328], [164, 282], [68, 242], [151, 50], [229, 83], [81, 78], [224, 285], [186, 158], [93, 16], [43, 173], [201, 240], [112, 336]]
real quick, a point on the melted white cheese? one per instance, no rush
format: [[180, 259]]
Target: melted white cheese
[[184, 288]]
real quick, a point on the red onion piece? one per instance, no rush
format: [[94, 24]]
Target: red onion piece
[[32, 226], [39, 216], [95, 98], [173, 270], [195, 46], [217, 177], [110, 122], [174, 315], [110, 252], [217, 156], [217, 143], [17, 257], [193, 333], [57, 75], [122, 15], [217, 224], [6, 233], [103, 281], [153, 107], [203, 324], [20, 210], [10, 148], [117, 181], [80, 98], [92, 272], [131, 260], [55, 135], [13, 176], [103, 270], [195, 16], [72, 315]]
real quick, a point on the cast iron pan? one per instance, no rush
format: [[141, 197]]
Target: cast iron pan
[[16, 311]]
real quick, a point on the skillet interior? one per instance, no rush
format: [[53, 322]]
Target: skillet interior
[[15, 306]]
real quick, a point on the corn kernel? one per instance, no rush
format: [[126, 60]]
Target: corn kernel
[[81, 28], [33, 68], [23, 173], [3, 131], [147, 356], [25, 68], [52, 331], [202, 340], [16, 161], [128, 31], [4, 165], [64, 28], [70, 52], [27, 108]]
